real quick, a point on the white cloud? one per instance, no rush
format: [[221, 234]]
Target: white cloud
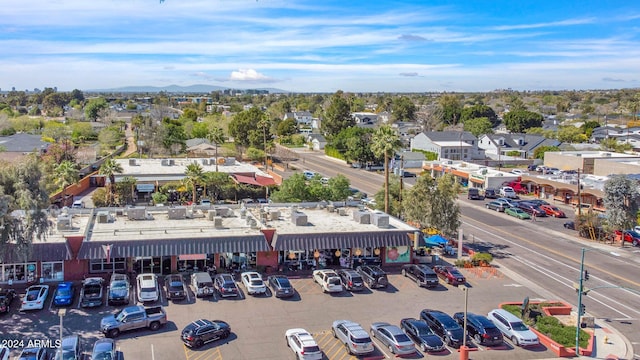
[[249, 75]]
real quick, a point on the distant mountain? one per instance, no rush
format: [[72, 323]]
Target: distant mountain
[[197, 88]]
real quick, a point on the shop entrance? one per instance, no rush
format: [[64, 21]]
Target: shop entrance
[[160, 265]]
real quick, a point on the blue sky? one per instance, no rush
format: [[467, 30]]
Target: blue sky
[[321, 45]]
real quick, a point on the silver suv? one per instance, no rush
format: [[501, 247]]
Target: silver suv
[[355, 338], [351, 280]]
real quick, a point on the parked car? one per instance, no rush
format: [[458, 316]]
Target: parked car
[[630, 236], [353, 336], [253, 283], [303, 344], [4, 353], [474, 194], [91, 293], [133, 318], [281, 286], [35, 297], [532, 167], [64, 294], [351, 280], [513, 328], [119, 290], [444, 326], [519, 172], [6, 298], [328, 280], [202, 284], [33, 353], [508, 202], [551, 210], [392, 336], [309, 174], [148, 288], [508, 192], [422, 335], [482, 330], [450, 275], [569, 225], [226, 286], [539, 202], [203, 331], [490, 193], [408, 174], [518, 213], [104, 349], [373, 276], [531, 209], [175, 288], [69, 349], [497, 206], [423, 275]]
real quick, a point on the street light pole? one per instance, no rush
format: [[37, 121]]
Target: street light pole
[[580, 291], [465, 289]]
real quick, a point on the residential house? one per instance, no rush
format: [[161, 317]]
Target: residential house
[[603, 132], [317, 141], [301, 117], [365, 118], [497, 146], [452, 145], [15, 147]]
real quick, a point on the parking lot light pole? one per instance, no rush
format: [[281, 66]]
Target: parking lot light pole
[[61, 313], [465, 289]]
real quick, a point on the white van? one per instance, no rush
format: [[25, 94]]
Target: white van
[[148, 290], [513, 328], [78, 204], [202, 284]]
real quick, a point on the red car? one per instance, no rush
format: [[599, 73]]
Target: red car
[[450, 274], [629, 236], [551, 210]]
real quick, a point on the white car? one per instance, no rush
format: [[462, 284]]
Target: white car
[[328, 280], [513, 328], [519, 172], [148, 290], [253, 282], [303, 345], [508, 192], [35, 297]]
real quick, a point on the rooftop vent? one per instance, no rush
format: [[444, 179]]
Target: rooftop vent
[[299, 218], [380, 219], [177, 213], [362, 217], [132, 162], [63, 222], [134, 213], [230, 161]]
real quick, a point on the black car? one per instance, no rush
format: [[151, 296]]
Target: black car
[[421, 274], [474, 194], [281, 286], [104, 349], [482, 330], [175, 287], [532, 167], [490, 193], [374, 276], [119, 288], [444, 326], [226, 286], [569, 225], [531, 209], [351, 279], [420, 333], [203, 331], [6, 298]]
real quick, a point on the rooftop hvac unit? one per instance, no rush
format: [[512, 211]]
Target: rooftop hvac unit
[[63, 222], [217, 222], [172, 162], [362, 217], [230, 161], [330, 208], [177, 213], [136, 213], [103, 217], [299, 219], [164, 162], [211, 215], [274, 215], [204, 161], [132, 162], [380, 220], [342, 212]]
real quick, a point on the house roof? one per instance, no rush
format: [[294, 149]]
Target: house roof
[[530, 141], [23, 143], [196, 141], [317, 137], [449, 135]]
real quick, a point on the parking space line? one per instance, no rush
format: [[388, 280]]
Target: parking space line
[[208, 354]]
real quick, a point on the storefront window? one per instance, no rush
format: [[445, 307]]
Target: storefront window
[[52, 271], [18, 272], [101, 265]]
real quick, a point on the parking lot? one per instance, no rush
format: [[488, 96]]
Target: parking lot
[[258, 323]]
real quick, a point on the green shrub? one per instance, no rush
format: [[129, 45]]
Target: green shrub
[[482, 257]]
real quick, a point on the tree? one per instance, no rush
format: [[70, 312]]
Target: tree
[[82, 131], [479, 111], [215, 183], [571, 134], [445, 211], [403, 109], [385, 142], [194, 176], [189, 115], [337, 116], [478, 126], [110, 168], [355, 144], [621, 201], [612, 144], [451, 108], [287, 127], [588, 126], [417, 201], [173, 136], [23, 201], [395, 206], [217, 137], [520, 120], [339, 188], [538, 153], [94, 107], [66, 173], [125, 190], [110, 136], [245, 128], [293, 189]]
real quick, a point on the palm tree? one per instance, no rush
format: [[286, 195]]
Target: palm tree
[[384, 142], [66, 173], [216, 136], [110, 168], [194, 174]]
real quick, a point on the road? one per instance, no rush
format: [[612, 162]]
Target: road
[[543, 254]]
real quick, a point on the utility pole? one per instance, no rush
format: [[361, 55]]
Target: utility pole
[[580, 309], [579, 197]]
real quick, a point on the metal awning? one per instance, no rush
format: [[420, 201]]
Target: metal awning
[[192, 257], [173, 247], [57, 251], [340, 240]]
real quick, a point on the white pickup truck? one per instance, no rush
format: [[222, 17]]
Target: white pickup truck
[[328, 280]]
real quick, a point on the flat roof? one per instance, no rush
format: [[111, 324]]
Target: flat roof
[[151, 168]]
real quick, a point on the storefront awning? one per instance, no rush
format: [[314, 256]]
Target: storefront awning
[[340, 240], [39, 252], [241, 179], [173, 247], [192, 257]]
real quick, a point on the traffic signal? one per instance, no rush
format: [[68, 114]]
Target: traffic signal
[[586, 275], [582, 309]]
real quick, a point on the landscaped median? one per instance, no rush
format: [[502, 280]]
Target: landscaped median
[[542, 319]]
